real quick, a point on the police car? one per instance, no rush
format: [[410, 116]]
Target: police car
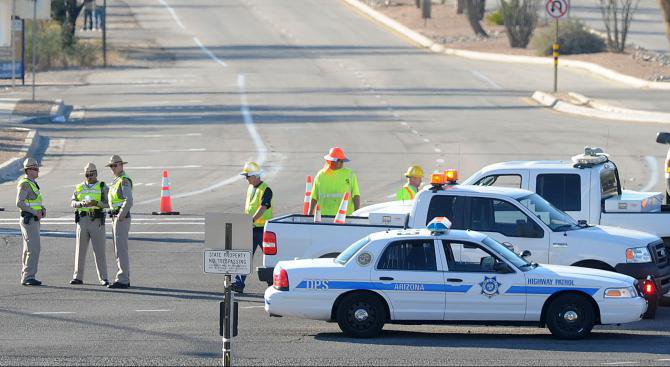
[[436, 275]]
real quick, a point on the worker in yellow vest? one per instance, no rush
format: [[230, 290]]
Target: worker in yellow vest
[[29, 201], [332, 182], [258, 205], [414, 176]]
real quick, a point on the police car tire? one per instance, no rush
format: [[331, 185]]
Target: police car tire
[[563, 329], [373, 309]]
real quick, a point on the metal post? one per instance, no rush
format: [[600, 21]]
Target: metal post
[[13, 34], [228, 303], [23, 52], [104, 33], [33, 43], [555, 54]]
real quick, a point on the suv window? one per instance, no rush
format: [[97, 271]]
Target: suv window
[[562, 190], [513, 181], [469, 257], [493, 215], [409, 255], [447, 206]]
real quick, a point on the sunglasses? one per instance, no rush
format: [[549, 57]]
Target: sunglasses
[[91, 173], [33, 169], [113, 165]]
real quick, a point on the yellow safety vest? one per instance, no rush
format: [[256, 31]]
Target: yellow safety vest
[[408, 192], [330, 186], [84, 191], [35, 204], [114, 200], [253, 202]]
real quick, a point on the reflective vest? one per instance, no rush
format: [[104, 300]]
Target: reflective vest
[[35, 204], [84, 191], [253, 202], [408, 192], [114, 200], [330, 186]]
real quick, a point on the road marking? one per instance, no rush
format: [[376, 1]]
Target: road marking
[[162, 135], [390, 196], [415, 132], [653, 176], [173, 13], [426, 140], [253, 307], [153, 310], [175, 150], [151, 184], [209, 53], [440, 160], [438, 150], [53, 313], [618, 363], [486, 79]]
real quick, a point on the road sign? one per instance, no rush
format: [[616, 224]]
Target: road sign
[[227, 262], [557, 8]]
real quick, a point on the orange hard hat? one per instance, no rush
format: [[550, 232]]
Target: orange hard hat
[[336, 154]]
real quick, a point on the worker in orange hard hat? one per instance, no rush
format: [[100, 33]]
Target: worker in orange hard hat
[[332, 182]]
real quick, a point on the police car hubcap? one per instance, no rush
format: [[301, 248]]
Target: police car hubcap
[[361, 315], [570, 316]]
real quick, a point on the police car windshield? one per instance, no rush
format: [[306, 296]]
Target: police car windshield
[[553, 217], [506, 253], [351, 250]]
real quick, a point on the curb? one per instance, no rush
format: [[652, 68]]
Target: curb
[[591, 108], [488, 56], [10, 168], [56, 112]]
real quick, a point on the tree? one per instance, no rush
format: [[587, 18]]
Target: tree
[[66, 13], [665, 5], [473, 9], [520, 18], [617, 15]]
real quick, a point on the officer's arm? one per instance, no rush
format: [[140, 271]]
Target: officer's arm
[[104, 201], [357, 202], [314, 196], [127, 192], [21, 199]]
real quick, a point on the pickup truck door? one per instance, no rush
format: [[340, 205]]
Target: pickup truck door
[[509, 224], [409, 274], [569, 192], [489, 279]]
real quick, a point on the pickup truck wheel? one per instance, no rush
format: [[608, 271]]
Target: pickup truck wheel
[[361, 316], [570, 316]]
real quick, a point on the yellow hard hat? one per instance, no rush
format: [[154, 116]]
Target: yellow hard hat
[[414, 171], [251, 169]]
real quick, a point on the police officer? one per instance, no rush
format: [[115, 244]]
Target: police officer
[[29, 201], [89, 200], [258, 204], [332, 182], [120, 201], [414, 176]]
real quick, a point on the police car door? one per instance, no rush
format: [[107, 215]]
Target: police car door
[[477, 282], [409, 274]]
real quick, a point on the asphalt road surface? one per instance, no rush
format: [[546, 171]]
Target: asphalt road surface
[[279, 82]]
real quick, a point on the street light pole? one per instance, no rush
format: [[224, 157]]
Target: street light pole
[[13, 35], [32, 38]]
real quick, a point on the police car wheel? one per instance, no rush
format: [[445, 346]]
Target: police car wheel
[[570, 316], [361, 316]]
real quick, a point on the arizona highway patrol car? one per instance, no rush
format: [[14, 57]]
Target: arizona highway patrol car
[[434, 275]]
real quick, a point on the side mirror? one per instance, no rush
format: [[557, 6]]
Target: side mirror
[[663, 138], [582, 223], [526, 254]]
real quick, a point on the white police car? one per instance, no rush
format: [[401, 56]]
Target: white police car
[[433, 276]]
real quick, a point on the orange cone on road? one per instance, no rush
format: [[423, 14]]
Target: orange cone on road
[[166, 201], [342, 212], [317, 214], [308, 194]]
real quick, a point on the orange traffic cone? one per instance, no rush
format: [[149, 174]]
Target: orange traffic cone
[[317, 214], [342, 212], [308, 194], [166, 202]]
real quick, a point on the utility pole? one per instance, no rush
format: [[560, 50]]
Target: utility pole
[[104, 33], [32, 38], [13, 44]]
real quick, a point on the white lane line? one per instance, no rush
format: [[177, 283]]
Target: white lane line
[[53, 313], [189, 166], [486, 79], [390, 196], [153, 310], [438, 150], [618, 363], [209, 53], [253, 307], [151, 184], [414, 132], [173, 13], [426, 140], [653, 176]]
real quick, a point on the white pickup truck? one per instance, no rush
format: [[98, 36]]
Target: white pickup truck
[[588, 188], [518, 218]]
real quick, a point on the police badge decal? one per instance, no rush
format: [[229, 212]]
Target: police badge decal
[[490, 286]]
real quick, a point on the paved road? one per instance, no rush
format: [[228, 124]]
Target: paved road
[[280, 82]]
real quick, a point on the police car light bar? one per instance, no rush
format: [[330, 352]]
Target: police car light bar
[[439, 225]]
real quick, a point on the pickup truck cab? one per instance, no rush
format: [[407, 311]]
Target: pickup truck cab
[[588, 188], [435, 276]]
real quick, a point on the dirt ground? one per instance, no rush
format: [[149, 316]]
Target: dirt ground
[[453, 30], [11, 143]]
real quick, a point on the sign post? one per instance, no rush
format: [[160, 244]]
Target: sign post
[[13, 45], [228, 262], [556, 9]]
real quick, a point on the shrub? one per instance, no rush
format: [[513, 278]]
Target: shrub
[[573, 38], [85, 54], [49, 50], [520, 18], [495, 18]]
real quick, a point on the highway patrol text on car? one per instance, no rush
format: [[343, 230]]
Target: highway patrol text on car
[[437, 275]]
